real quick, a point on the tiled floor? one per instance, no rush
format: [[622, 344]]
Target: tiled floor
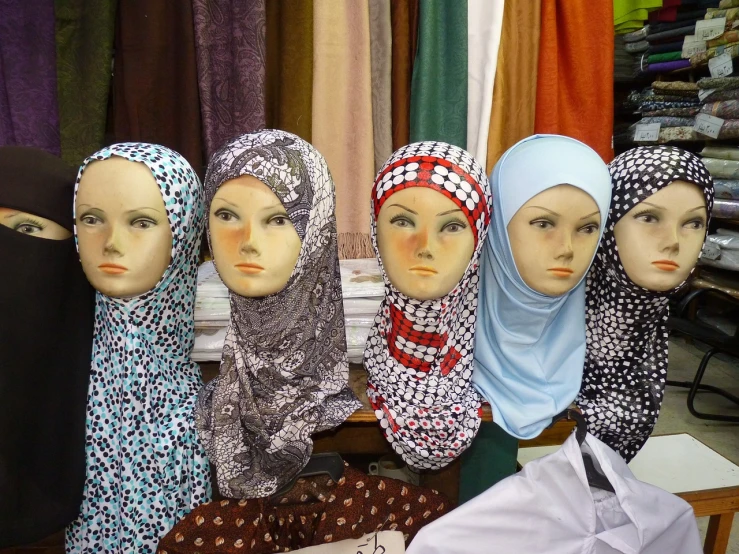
[[675, 418]]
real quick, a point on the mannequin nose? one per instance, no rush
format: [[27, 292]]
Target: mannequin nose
[[565, 252], [113, 244], [248, 240], [423, 245], [670, 243]]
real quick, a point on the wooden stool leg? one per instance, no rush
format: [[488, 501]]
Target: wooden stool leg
[[717, 537]]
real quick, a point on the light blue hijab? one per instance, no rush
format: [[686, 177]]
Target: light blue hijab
[[530, 347]]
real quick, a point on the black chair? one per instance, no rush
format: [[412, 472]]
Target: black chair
[[717, 341]]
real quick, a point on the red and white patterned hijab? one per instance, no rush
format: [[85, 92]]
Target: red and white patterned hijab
[[419, 352]]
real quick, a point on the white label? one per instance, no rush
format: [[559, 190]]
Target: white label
[[647, 132], [708, 125], [721, 66], [693, 46], [705, 93], [707, 29], [384, 542]]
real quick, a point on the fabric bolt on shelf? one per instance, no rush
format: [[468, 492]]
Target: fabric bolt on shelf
[[484, 33], [726, 188], [666, 67], [230, 45], [674, 112], [29, 113], [673, 98], [666, 47], [719, 83], [728, 3], [628, 27], [289, 67], [636, 47], [565, 76], [702, 59], [727, 94], [722, 169], [404, 21], [721, 152], [672, 134], [676, 14], [679, 32], [681, 86], [515, 78], [726, 109], [625, 10], [637, 36], [84, 51], [666, 57], [731, 14], [728, 37], [155, 63], [667, 121], [342, 114], [381, 64], [439, 87], [661, 27], [726, 209]]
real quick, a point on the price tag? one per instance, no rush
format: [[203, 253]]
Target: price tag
[[705, 93], [647, 132], [708, 125], [692, 46], [384, 542], [707, 29], [721, 66]]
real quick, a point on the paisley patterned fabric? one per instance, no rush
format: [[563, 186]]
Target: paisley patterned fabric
[[626, 358], [145, 466], [419, 352], [284, 372], [231, 57]]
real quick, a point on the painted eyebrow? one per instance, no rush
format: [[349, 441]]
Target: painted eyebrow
[[403, 208], [546, 210], [226, 201], [275, 206], [698, 208], [653, 205], [449, 212], [590, 215], [144, 208]]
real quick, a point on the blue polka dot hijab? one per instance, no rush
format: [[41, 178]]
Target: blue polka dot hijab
[[145, 466]]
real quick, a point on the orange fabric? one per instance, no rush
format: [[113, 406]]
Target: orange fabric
[[514, 95], [574, 93]]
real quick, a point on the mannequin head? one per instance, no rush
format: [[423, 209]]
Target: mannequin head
[[33, 225], [255, 245], [553, 238], [125, 241], [425, 242], [659, 240]]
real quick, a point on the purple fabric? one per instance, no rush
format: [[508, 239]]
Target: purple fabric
[[230, 37], [29, 114], [666, 67]]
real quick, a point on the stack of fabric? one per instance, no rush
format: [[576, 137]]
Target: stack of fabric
[[627, 54], [722, 250], [721, 99], [728, 42], [363, 289], [672, 104], [723, 164], [631, 15]]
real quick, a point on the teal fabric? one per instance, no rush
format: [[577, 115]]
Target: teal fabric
[[490, 458], [439, 83]]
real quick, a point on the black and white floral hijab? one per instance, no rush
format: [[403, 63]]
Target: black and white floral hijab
[[284, 371], [626, 354]]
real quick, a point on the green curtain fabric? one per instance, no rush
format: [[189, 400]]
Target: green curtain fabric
[[439, 85], [490, 458], [84, 50]]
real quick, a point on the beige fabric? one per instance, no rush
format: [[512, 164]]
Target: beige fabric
[[382, 61], [342, 114]]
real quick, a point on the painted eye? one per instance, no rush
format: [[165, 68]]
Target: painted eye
[[542, 224], [454, 228], [401, 222], [225, 215], [279, 220], [695, 224], [90, 220], [647, 218], [143, 223], [589, 229]]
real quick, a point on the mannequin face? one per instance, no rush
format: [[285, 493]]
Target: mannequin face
[[124, 237], [32, 225], [255, 245], [425, 242], [553, 237], [659, 240]]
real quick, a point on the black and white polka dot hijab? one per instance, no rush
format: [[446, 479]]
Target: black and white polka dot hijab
[[284, 371], [146, 467], [626, 354], [419, 352]]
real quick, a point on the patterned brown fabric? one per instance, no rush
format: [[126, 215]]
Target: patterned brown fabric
[[315, 511]]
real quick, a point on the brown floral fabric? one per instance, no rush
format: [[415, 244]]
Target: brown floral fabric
[[315, 511]]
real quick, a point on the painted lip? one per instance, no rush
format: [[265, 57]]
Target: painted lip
[[560, 271], [112, 269], [249, 269], [423, 270], [666, 265]]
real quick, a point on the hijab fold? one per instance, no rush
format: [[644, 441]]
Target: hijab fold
[[284, 371], [530, 347], [145, 466], [46, 319], [626, 365], [419, 352]]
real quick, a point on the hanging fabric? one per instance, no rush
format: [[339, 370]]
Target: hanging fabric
[[289, 72], [418, 355], [29, 114], [46, 322], [84, 51], [518, 514], [382, 59], [230, 45], [574, 90], [624, 377], [146, 467], [404, 19], [284, 372], [155, 78], [342, 114], [484, 27], [514, 95], [439, 86]]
